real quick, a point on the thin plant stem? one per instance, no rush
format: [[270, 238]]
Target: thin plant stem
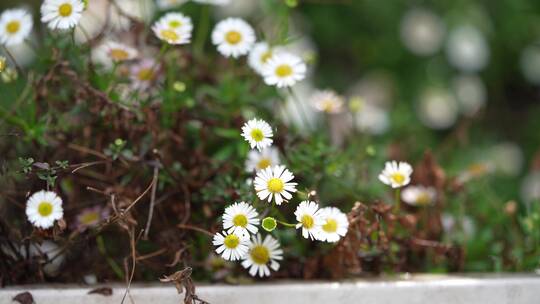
[[299, 108], [202, 33], [397, 200], [287, 224], [12, 59]]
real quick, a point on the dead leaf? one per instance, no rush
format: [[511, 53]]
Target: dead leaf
[[104, 291], [24, 298]]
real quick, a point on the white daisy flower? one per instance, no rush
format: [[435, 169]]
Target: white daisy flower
[[419, 195], [309, 219], [231, 246], [61, 14], [259, 55], [284, 70], [15, 26], [327, 101], [335, 224], [167, 4], [396, 174], [43, 208], [258, 160], [174, 28], [258, 133], [274, 183], [213, 2], [262, 256], [145, 74], [233, 37], [118, 52], [241, 218]]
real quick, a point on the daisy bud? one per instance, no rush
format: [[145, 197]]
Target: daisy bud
[[269, 224], [2, 64]]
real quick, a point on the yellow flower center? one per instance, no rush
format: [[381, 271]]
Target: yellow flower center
[[233, 37], [231, 241], [119, 54], [170, 35], [175, 24], [398, 178], [90, 218], [260, 255], [307, 221], [45, 208], [275, 185], [284, 70], [423, 199], [330, 226], [328, 106], [2, 64], [263, 163], [240, 220], [257, 135], [266, 55], [65, 10], [145, 74], [13, 27]]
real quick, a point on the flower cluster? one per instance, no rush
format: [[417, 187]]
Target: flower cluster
[[241, 239]]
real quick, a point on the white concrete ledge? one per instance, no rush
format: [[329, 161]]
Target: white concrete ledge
[[503, 289]]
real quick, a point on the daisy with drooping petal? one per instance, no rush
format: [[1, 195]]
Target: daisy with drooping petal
[[258, 160], [335, 224], [327, 101], [275, 183], [396, 174], [262, 256], [284, 70], [258, 133], [61, 14], [259, 55], [419, 195], [119, 52], [233, 37], [213, 2], [174, 28], [308, 219], [241, 218], [231, 246], [43, 208], [15, 26]]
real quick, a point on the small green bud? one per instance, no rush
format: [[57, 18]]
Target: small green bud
[[370, 150], [356, 103], [269, 224], [291, 3], [9, 75], [179, 86], [118, 142]]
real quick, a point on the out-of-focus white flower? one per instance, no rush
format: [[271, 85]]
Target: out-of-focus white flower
[[61, 14], [239, 8], [262, 256], [476, 170], [213, 2], [507, 158], [437, 109], [257, 133], [142, 10], [335, 225], [530, 187], [15, 26], [258, 160], [369, 118], [233, 37], [296, 110], [327, 101], [376, 88], [23, 53], [274, 183], [174, 28], [53, 258], [451, 224], [470, 92], [259, 55], [530, 64], [119, 52], [43, 208], [144, 74], [422, 31], [167, 4], [396, 174], [419, 195], [467, 49], [284, 70]]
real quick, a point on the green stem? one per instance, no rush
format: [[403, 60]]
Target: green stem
[[397, 200], [287, 224], [114, 266], [202, 33]]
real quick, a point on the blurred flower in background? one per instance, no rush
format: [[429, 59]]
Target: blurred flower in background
[[467, 48], [437, 108], [470, 92], [530, 64], [530, 187], [422, 31]]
